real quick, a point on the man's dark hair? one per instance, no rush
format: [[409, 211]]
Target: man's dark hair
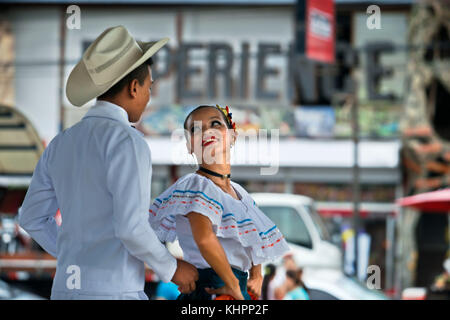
[[140, 73]]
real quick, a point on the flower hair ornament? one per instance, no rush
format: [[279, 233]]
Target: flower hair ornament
[[227, 113]]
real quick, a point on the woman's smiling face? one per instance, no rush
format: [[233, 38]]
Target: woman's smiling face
[[208, 135]]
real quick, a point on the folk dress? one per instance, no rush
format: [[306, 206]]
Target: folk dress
[[246, 234]]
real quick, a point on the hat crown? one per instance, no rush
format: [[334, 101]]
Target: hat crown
[[112, 55], [113, 52]]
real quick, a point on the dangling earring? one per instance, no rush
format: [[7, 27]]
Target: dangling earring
[[193, 164]]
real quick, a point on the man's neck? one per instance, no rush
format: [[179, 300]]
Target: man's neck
[[117, 102], [113, 101]]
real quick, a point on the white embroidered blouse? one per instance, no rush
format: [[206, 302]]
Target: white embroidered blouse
[[246, 234]]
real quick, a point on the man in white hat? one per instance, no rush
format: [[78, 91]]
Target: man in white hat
[[98, 173]]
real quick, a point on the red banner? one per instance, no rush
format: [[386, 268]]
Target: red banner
[[320, 30]]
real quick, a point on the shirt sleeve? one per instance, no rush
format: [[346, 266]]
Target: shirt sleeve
[[128, 181], [36, 216]]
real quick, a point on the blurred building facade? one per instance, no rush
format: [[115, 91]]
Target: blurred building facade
[[261, 30]]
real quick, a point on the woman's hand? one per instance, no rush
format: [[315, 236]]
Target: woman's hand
[[235, 292], [254, 284]]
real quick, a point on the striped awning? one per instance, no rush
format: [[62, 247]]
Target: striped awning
[[20, 145]]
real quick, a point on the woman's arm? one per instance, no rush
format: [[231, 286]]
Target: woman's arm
[[255, 280], [213, 253]]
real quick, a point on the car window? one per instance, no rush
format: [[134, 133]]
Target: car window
[[315, 294], [290, 224], [318, 222]]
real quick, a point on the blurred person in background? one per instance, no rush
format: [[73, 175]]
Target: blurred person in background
[[278, 284], [220, 228], [167, 291], [295, 288], [267, 290]]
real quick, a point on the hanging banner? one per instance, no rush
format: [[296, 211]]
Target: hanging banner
[[320, 30]]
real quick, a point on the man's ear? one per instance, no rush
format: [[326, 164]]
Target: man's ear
[[132, 88]]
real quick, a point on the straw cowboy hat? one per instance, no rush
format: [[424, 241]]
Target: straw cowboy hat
[[113, 55]]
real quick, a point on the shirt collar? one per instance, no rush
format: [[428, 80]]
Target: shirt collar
[[105, 109]]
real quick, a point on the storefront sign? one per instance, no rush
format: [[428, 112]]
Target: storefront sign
[[306, 81], [320, 30]]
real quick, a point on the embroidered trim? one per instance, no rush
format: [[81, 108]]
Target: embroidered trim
[[245, 220], [167, 227], [245, 231], [226, 227], [206, 198], [272, 244]]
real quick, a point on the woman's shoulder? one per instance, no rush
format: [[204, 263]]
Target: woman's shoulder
[[191, 184], [193, 181], [196, 184], [191, 192]]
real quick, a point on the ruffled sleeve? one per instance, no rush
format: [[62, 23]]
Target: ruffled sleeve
[[190, 193], [254, 230]]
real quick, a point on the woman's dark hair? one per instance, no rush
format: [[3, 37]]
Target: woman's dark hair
[[206, 106], [269, 273], [140, 73], [296, 275]]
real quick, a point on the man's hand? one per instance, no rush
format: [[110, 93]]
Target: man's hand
[[185, 276], [254, 283]]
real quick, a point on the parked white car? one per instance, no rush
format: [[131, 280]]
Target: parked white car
[[303, 229], [334, 285]]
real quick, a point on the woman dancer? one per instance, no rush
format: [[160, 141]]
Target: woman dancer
[[219, 227]]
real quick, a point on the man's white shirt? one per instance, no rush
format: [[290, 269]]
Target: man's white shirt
[[98, 173]]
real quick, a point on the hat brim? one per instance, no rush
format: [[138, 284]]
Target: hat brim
[[80, 88]]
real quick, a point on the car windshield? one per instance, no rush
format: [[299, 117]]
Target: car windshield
[[320, 226], [290, 224]]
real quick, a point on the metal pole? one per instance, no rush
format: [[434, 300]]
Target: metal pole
[[389, 258], [392, 269], [356, 178], [179, 21], [399, 255]]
